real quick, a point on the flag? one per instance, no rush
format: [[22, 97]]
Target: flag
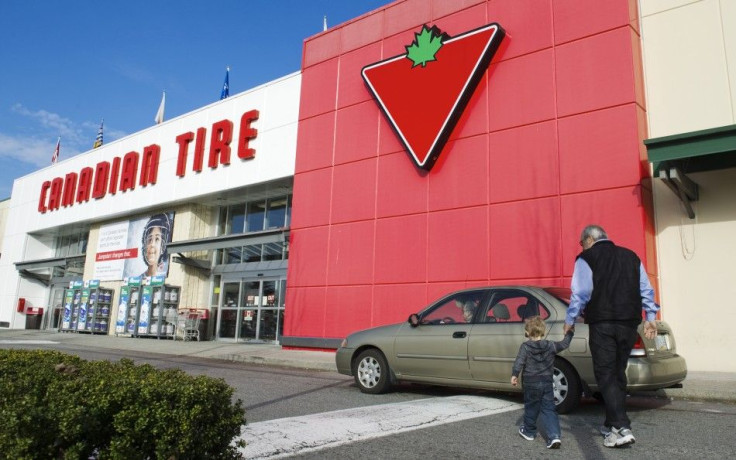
[[160, 114], [226, 86], [98, 139], [55, 156]]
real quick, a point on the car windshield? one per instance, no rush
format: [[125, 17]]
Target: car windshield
[[559, 293]]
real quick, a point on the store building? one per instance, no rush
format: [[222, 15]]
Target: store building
[[338, 221], [216, 184]]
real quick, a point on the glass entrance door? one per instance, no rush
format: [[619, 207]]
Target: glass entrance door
[[252, 310], [52, 317], [228, 318]]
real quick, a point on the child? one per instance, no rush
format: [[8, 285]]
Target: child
[[537, 357]]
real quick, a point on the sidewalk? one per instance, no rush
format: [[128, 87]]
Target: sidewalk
[[698, 386]]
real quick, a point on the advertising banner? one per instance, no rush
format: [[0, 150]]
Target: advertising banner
[[82, 319], [67, 319], [134, 248], [145, 310], [122, 310]]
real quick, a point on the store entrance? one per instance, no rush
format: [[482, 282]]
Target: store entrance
[[252, 309]]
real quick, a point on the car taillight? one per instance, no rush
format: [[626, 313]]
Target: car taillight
[[638, 351]]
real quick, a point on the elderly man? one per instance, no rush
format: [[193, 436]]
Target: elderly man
[[610, 284]]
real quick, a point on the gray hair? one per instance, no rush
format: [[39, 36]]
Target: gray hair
[[594, 231]]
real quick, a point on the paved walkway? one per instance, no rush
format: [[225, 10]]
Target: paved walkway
[[698, 386]]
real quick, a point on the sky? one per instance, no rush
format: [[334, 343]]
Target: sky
[[67, 65]]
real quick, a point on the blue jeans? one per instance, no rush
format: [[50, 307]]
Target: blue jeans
[[539, 398]]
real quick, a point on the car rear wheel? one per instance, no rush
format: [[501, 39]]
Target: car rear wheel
[[371, 372], [566, 385]]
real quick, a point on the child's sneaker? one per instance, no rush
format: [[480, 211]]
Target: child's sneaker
[[524, 434], [554, 443]]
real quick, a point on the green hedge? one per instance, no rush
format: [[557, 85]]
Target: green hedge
[[58, 406]]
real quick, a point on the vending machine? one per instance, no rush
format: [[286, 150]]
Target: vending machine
[[72, 301], [94, 310], [160, 315], [126, 322]]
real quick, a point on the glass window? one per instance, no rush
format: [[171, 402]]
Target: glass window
[[512, 306], [233, 255], [459, 308], [273, 251], [235, 219], [74, 244], [252, 253], [256, 216], [62, 246], [222, 221], [276, 213]]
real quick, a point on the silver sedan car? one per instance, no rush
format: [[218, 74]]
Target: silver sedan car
[[470, 339]]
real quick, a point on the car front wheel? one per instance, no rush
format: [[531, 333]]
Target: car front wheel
[[566, 387], [371, 372]]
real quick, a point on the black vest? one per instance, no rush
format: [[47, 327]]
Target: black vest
[[616, 294]]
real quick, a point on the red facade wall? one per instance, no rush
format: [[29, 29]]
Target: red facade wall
[[549, 142]]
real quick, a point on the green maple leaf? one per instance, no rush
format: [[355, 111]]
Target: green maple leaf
[[425, 45]]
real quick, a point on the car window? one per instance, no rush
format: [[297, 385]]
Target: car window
[[459, 308], [563, 295], [513, 306]]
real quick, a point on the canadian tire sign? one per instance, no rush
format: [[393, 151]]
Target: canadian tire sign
[[423, 92]]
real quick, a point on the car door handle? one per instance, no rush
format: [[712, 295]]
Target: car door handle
[[459, 335]]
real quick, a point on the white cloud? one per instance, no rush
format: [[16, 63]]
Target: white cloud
[[55, 122], [38, 147], [35, 151]]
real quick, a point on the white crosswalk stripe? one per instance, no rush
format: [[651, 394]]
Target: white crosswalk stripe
[[285, 437]]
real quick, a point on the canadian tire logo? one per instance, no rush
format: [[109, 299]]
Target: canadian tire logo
[[423, 92]]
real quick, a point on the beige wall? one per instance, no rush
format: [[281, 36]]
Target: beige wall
[[689, 50], [191, 221]]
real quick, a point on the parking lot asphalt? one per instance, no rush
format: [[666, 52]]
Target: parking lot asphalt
[[698, 386]]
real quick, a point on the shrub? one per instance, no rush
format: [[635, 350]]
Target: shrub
[[57, 405]]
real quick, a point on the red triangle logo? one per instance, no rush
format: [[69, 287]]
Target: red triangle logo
[[423, 93]]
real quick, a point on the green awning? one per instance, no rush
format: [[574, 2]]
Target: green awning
[[697, 151]]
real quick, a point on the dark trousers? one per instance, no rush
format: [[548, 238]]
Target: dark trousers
[[539, 399], [610, 346]]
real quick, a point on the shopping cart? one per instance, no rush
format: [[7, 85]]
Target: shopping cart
[[187, 325]]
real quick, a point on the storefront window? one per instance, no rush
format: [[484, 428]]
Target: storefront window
[[273, 251], [74, 244], [233, 255], [276, 213], [236, 219], [256, 216], [252, 253]]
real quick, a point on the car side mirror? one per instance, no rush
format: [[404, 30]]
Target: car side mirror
[[413, 320]]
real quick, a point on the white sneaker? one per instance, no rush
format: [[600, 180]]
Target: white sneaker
[[610, 440], [619, 437], [625, 437]]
